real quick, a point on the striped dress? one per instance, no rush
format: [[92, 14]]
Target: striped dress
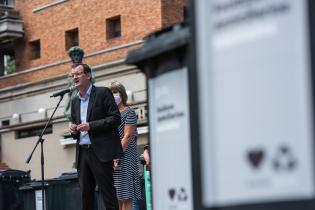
[[127, 179]]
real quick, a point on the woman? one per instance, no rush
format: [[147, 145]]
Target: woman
[[126, 173]]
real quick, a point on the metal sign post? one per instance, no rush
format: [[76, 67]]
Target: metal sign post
[[255, 95]]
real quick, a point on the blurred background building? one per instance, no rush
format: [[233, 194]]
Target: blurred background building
[[35, 36]]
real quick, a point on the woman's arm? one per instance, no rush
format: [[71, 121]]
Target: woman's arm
[[129, 131]]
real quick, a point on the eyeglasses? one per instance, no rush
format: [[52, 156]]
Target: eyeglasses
[[77, 74]]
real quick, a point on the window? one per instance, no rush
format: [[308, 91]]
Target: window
[[5, 122], [33, 131], [72, 38], [35, 49], [113, 27], [7, 2], [9, 63]]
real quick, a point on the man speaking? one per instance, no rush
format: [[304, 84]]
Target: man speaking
[[95, 118]]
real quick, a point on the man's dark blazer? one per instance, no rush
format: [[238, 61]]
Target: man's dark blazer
[[103, 117]]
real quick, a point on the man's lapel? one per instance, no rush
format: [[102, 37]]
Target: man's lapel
[[77, 107], [91, 103]]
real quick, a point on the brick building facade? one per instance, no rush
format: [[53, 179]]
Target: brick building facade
[[41, 33], [46, 24]]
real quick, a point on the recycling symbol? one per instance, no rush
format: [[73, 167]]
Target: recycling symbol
[[178, 194], [284, 159]]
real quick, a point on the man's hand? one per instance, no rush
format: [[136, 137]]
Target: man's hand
[[116, 164], [73, 128], [84, 126]]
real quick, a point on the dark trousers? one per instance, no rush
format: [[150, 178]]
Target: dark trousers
[[92, 171]]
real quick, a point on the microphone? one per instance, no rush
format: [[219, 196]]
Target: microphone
[[62, 92]]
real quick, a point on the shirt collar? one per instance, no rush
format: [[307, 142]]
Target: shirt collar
[[87, 95]]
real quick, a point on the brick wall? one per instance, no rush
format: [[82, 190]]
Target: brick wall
[[138, 18], [172, 11]]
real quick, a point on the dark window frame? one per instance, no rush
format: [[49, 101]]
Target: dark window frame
[[71, 38], [5, 123], [35, 49], [113, 27], [32, 131]]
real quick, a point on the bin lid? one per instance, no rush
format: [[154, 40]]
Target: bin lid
[[33, 185], [158, 43], [14, 174], [68, 175]]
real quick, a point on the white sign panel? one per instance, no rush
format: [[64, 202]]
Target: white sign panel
[[39, 200], [170, 141], [255, 100]]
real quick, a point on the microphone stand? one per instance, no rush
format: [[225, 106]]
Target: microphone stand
[[41, 141]]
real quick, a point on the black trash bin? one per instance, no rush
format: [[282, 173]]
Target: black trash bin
[[62, 193], [165, 59], [31, 194], [10, 181]]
